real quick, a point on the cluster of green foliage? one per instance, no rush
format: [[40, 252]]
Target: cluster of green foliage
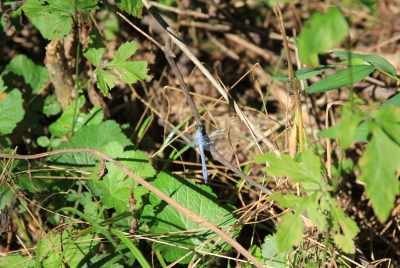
[[77, 245]]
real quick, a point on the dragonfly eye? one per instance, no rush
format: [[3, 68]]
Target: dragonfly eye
[[198, 128]]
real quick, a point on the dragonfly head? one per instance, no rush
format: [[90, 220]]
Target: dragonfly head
[[199, 128]]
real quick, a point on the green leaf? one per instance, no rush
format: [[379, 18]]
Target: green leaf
[[91, 137], [361, 133], [320, 33], [63, 125], [129, 71], [341, 78], [17, 261], [75, 249], [162, 218], [350, 118], [271, 255], [286, 166], [11, 111], [287, 201], [96, 47], [2, 86], [55, 15], [374, 60], [114, 189], [125, 51], [105, 82], [392, 101], [43, 141], [345, 229], [389, 121], [379, 165], [51, 106], [131, 7], [289, 232], [35, 76], [57, 25]]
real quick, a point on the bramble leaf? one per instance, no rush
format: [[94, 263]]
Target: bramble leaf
[[11, 111], [129, 71], [91, 137], [163, 218], [131, 7], [105, 82], [96, 47], [64, 124], [114, 189], [56, 15], [35, 76], [271, 254]]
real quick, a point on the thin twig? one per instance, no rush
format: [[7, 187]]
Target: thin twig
[[181, 81]]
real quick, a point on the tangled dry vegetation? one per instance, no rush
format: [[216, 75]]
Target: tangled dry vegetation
[[241, 42]]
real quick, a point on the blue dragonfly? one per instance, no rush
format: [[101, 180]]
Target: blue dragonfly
[[204, 143], [201, 140]]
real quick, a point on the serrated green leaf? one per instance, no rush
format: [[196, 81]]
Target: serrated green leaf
[[64, 124], [11, 111], [313, 205], [289, 232], [105, 82], [286, 166], [341, 78], [133, 8], [95, 55], [57, 25], [286, 201], [96, 47], [346, 229], [320, 33], [379, 165], [35, 76], [375, 60], [131, 71], [125, 51], [17, 261], [87, 5], [163, 218], [115, 188], [271, 255], [76, 249], [91, 137], [55, 14]]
